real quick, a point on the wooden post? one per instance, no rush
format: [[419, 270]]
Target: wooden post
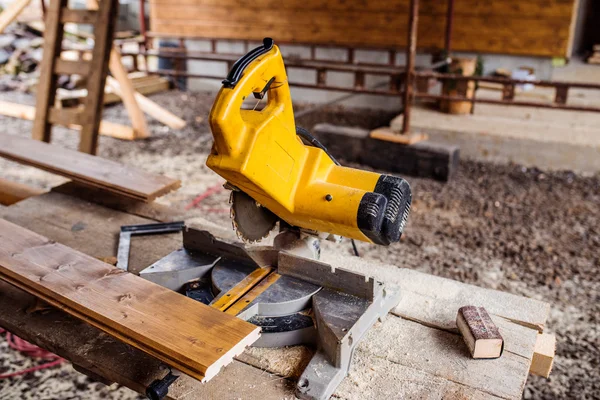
[[46, 88], [103, 34], [411, 51], [449, 23]]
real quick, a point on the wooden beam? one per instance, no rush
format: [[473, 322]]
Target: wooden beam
[[13, 192], [127, 94], [151, 108], [11, 12], [185, 334], [87, 169], [28, 112]]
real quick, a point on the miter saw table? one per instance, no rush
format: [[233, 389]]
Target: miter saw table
[[293, 297]]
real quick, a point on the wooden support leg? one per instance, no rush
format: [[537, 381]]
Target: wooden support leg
[[46, 89], [103, 34]]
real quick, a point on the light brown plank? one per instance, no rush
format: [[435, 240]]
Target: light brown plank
[[13, 192], [87, 169], [147, 316]]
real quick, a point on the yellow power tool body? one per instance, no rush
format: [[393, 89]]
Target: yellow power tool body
[[260, 153]]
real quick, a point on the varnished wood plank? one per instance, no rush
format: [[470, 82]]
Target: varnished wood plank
[[70, 67], [79, 16], [87, 169], [118, 362], [94, 102], [149, 317], [46, 87]]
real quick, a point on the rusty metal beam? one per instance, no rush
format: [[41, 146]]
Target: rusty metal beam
[[555, 106]]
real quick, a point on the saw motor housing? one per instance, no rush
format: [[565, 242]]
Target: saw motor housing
[[259, 153]]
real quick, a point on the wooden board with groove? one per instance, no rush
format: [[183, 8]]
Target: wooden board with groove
[[149, 317], [87, 169], [537, 27]]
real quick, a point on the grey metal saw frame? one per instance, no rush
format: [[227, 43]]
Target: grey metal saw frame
[[329, 308]]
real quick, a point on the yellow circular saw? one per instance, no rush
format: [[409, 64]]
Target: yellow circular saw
[[276, 176]]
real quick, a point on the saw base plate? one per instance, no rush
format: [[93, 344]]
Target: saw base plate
[[309, 303]]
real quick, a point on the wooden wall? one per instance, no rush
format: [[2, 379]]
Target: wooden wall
[[527, 27]]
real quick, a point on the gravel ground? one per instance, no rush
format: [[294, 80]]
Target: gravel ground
[[519, 230]]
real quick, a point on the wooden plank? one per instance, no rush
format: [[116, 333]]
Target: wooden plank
[[536, 27], [79, 16], [13, 192], [70, 67], [107, 128], [87, 169], [150, 107], [46, 87], [153, 211], [149, 317], [11, 12]]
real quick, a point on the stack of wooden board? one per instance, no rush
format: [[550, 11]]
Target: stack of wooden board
[[185, 334], [595, 57], [87, 169]]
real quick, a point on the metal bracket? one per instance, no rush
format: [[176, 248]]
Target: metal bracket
[[127, 231]]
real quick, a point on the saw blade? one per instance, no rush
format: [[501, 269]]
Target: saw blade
[[251, 221]]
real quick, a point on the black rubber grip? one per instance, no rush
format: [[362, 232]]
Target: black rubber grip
[[240, 65]]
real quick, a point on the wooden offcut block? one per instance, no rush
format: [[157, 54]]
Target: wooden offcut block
[[479, 332], [543, 355]]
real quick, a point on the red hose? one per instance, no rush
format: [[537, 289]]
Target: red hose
[[209, 192], [33, 351]]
